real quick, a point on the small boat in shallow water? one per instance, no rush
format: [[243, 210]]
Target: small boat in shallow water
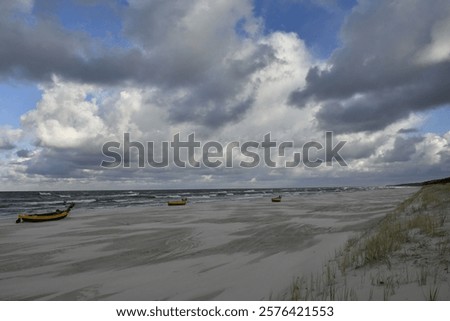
[[183, 201], [52, 216], [276, 199]]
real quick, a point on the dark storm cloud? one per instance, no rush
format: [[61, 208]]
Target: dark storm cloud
[[24, 153], [84, 165], [403, 149], [219, 100], [408, 131], [196, 58], [36, 51], [212, 115], [63, 163], [77, 163], [198, 50], [380, 75], [4, 145]]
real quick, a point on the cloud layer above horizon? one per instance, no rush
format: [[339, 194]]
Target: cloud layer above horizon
[[214, 68]]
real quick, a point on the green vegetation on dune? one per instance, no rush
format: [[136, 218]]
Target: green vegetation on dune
[[424, 211], [410, 244]]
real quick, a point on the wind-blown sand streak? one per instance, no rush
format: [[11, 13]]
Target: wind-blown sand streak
[[248, 250]]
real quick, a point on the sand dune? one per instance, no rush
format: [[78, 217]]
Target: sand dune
[[404, 256], [247, 250]]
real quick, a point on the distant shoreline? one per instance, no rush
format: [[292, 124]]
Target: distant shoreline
[[38, 202], [425, 183]]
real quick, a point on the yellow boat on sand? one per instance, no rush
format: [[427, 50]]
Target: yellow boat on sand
[[52, 216], [183, 201]]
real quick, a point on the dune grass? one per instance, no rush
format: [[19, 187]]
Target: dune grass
[[397, 228], [420, 218]]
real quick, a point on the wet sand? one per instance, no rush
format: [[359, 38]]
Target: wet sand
[[231, 250]]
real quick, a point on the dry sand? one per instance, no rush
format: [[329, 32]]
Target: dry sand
[[233, 250]]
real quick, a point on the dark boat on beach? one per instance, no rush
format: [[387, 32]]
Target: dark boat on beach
[[276, 199], [44, 217]]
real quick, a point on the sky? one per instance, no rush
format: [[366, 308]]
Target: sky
[[76, 74]]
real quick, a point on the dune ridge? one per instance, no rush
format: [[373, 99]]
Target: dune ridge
[[404, 256]]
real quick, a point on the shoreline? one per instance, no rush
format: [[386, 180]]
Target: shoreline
[[248, 250], [39, 202]]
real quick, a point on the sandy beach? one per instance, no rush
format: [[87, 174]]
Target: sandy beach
[[231, 250]]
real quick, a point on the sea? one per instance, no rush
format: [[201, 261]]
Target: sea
[[13, 203]]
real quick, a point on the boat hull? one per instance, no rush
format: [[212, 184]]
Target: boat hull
[[43, 218], [53, 216], [176, 203], [179, 202]]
